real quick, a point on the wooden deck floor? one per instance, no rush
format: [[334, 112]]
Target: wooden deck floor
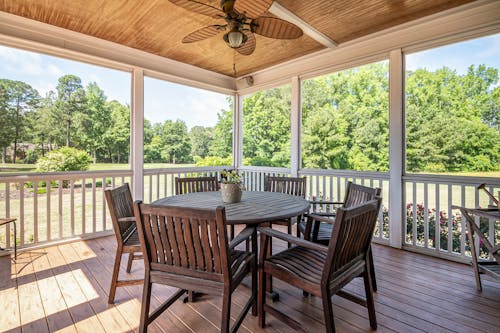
[[64, 288]]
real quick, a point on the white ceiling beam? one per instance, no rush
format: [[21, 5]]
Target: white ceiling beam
[[284, 14]]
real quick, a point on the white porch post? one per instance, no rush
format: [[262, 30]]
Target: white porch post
[[238, 131], [295, 119], [137, 134], [396, 142]]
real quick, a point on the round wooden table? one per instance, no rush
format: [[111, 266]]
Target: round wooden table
[[254, 207]]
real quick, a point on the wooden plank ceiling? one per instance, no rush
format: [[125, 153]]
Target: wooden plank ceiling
[[158, 26]]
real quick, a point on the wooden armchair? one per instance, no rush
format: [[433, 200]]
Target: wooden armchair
[[320, 270], [196, 184], [318, 226], [121, 209], [288, 185], [188, 249]]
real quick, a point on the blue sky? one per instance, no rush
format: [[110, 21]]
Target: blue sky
[[165, 100]]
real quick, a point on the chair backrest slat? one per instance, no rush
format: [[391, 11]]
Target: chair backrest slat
[[196, 184], [351, 237], [288, 185], [357, 194], [121, 205], [184, 240]]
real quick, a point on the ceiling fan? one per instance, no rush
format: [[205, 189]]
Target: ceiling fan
[[242, 20]]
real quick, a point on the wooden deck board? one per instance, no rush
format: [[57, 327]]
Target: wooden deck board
[[64, 288]]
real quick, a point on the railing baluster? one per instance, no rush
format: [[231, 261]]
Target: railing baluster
[[450, 219], [462, 222], [83, 207], [103, 203], [60, 208], [94, 215], [426, 215], [35, 212], [7, 213], [72, 207], [437, 225], [48, 187], [21, 214], [415, 204]]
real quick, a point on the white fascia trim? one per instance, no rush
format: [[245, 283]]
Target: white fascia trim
[[36, 36], [284, 14], [464, 22]]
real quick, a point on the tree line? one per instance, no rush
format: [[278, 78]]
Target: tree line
[[71, 116], [452, 123]]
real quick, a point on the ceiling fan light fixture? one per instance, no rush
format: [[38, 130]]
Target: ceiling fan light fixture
[[235, 38]]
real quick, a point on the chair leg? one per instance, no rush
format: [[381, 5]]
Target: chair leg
[[328, 312], [114, 277], [262, 297], [289, 229], [129, 263], [191, 296], [226, 311], [370, 304], [372, 269], [146, 298], [231, 231]]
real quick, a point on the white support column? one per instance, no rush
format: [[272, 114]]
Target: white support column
[[137, 134], [296, 121], [396, 147], [238, 131]]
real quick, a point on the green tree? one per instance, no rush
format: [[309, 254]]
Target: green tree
[[175, 141], [21, 99], [96, 121], [70, 104], [222, 143], [201, 139], [117, 136], [266, 127], [345, 120], [7, 117], [452, 120]]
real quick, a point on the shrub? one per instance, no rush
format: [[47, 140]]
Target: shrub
[[64, 159], [31, 156]]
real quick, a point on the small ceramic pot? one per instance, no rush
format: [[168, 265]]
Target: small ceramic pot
[[230, 193]]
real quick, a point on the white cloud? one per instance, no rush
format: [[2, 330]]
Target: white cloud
[[27, 63]]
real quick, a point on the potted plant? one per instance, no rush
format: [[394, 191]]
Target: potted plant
[[230, 187]]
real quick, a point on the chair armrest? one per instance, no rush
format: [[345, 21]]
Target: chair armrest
[[292, 239], [321, 202], [327, 218], [245, 234], [127, 219]]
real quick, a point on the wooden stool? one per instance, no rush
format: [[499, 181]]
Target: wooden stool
[[5, 221]]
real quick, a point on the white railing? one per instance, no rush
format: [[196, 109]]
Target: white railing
[[56, 206], [429, 201], [160, 183]]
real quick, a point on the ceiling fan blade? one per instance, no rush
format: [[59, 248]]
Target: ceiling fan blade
[[203, 33], [275, 28], [249, 46], [252, 8], [199, 8]]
